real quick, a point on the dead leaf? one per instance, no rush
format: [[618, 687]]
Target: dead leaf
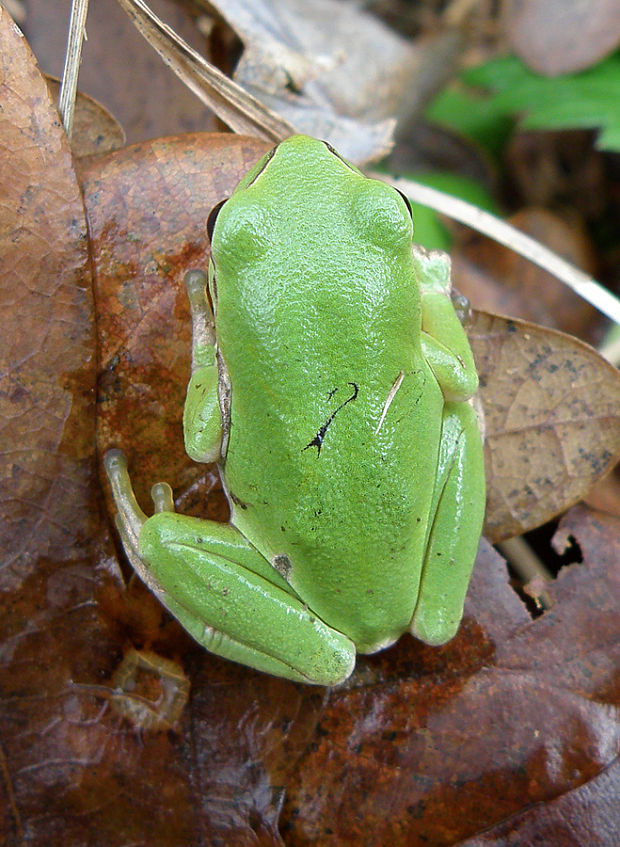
[[552, 410], [52, 635], [95, 130], [514, 721], [513, 724], [47, 333]]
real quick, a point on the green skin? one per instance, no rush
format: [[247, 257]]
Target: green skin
[[334, 396]]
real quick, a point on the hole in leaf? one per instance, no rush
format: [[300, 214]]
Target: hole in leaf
[[533, 564]]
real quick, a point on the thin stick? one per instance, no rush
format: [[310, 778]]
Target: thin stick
[[242, 112], [580, 282], [527, 565], [73, 56]]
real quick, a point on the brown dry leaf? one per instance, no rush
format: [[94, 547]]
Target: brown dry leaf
[[552, 410], [47, 334], [513, 725], [95, 130], [422, 746], [562, 36], [147, 206], [50, 630]]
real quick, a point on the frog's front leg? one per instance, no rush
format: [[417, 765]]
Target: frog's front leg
[[202, 420], [225, 594], [444, 341]]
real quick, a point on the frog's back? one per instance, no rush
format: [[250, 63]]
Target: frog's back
[[335, 416]]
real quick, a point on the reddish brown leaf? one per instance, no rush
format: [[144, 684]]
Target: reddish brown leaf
[[70, 765], [147, 207], [515, 721], [47, 333], [50, 631], [511, 716], [586, 815]]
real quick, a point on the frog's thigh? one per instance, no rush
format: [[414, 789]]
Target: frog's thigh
[[233, 602], [458, 508]]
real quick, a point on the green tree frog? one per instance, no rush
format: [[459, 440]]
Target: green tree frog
[[332, 387]]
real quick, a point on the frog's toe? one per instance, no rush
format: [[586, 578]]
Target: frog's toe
[[161, 495], [129, 515]]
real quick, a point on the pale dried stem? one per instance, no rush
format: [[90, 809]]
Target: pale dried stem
[[73, 56], [581, 283]]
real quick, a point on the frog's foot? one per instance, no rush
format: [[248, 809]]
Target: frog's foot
[[222, 590], [130, 518]]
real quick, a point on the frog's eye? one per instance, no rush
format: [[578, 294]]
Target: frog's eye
[[242, 231], [382, 217], [213, 217]]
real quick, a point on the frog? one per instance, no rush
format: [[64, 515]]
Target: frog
[[333, 382]]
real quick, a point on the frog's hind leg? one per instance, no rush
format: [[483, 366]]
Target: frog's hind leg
[[224, 592], [234, 603], [454, 531]]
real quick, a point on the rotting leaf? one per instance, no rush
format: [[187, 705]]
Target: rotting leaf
[[552, 410], [510, 716]]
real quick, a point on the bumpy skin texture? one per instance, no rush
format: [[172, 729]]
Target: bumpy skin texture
[[332, 309], [353, 465]]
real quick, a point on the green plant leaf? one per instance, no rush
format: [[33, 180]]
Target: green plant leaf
[[473, 115], [588, 99]]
